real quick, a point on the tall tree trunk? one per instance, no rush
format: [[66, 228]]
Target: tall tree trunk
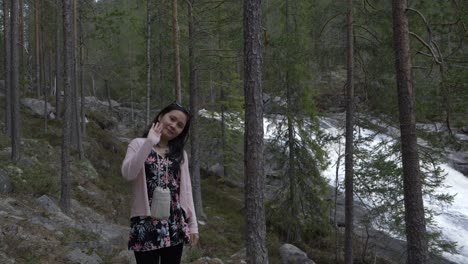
[[76, 125], [349, 150], [81, 72], [14, 82], [194, 106], [43, 82], [257, 251], [21, 41], [176, 33], [108, 93], [37, 12], [65, 191], [417, 246], [148, 60], [7, 64], [46, 94], [58, 67], [161, 18], [294, 231], [224, 151]]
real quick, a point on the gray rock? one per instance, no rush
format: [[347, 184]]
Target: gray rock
[[77, 256], [124, 256], [5, 182], [217, 170], [4, 259], [48, 204], [459, 161], [290, 254], [37, 107]]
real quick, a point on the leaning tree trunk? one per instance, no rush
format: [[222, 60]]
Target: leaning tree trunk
[[7, 65], [14, 81], [349, 149], [417, 246], [67, 118], [176, 33], [257, 251]]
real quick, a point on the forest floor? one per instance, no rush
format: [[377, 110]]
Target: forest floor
[[34, 230]]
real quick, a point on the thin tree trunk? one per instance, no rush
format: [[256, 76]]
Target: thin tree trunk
[[108, 93], [194, 106], [65, 191], [161, 18], [294, 232], [76, 125], [7, 64], [43, 83], [46, 94], [257, 252], [148, 60], [176, 33], [93, 84], [58, 68], [37, 11], [337, 239], [14, 82], [21, 41], [81, 72], [223, 128], [349, 150], [417, 247]]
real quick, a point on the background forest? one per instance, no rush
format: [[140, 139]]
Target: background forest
[[125, 61]]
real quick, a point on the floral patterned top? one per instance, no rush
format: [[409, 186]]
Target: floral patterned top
[[148, 233]]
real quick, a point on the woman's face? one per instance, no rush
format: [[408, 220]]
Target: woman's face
[[173, 123]]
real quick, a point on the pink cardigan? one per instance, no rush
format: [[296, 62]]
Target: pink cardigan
[[133, 170]]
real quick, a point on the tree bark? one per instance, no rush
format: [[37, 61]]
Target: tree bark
[[417, 247], [176, 33], [21, 41], [58, 68], [148, 60], [76, 124], [7, 64], [257, 251], [37, 11], [194, 122], [349, 149], [65, 192], [81, 72], [14, 82], [294, 231]]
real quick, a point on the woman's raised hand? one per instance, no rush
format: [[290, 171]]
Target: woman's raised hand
[[154, 134]]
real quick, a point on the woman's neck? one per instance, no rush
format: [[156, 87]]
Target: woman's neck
[[163, 144]]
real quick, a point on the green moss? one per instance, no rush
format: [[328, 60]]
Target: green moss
[[70, 235]]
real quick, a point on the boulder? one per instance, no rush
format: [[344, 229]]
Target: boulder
[[459, 161], [37, 107], [77, 256], [291, 254], [5, 182]]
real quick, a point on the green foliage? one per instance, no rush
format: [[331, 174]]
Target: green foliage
[[379, 181]]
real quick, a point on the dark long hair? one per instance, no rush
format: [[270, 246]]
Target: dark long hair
[[176, 145]]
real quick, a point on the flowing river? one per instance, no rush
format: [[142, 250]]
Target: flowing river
[[452, 220]]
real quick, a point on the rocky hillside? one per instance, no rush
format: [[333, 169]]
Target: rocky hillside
[[33, 229]]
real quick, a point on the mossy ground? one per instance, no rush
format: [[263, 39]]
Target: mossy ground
[[39, 173]]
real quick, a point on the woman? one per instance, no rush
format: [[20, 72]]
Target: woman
[[157, 161]]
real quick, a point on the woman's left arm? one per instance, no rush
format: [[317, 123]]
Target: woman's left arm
[[187, 200]]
